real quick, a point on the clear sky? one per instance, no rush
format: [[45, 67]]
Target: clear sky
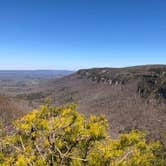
[[72, 34]]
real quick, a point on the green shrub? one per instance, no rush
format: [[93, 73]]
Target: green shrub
[[55, 136]]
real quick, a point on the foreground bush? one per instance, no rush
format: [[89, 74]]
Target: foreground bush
[[63, 137]]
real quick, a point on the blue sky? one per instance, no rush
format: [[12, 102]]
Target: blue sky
[[73, 34]]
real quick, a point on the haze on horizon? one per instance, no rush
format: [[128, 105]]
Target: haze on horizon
[[81, 34]]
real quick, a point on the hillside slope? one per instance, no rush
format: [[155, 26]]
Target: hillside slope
[[131, 98], [11, 109]]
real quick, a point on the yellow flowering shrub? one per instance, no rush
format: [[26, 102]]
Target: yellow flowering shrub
[[60, 136]]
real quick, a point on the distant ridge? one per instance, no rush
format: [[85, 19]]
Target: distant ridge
[[36, 71], [43, 74]]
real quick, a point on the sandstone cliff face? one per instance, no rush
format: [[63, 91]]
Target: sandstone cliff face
[[151, 79]]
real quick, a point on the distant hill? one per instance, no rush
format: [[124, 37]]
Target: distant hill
[[42, 74], [131, 98]]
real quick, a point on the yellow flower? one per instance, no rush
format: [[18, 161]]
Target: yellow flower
[[21, 161]]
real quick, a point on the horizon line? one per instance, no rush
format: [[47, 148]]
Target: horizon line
[[71, 70]]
